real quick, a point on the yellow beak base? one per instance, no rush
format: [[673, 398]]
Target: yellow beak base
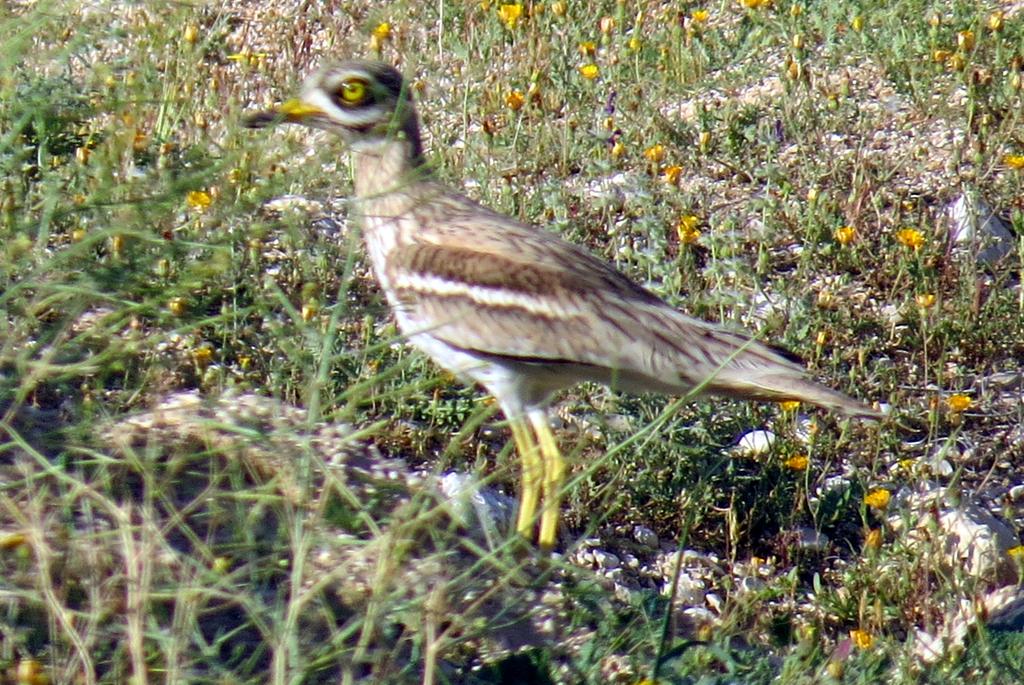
[[297, 111]]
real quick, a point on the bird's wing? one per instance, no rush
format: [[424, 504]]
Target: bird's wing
[[495, 287]]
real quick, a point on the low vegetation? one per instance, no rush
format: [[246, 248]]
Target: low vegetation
[[218, 461]]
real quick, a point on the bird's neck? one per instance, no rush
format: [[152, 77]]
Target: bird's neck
[[387, 167]]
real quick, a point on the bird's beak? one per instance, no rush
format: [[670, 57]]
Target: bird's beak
[[294, 111]]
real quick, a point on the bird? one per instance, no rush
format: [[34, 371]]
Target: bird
[[514, 307]]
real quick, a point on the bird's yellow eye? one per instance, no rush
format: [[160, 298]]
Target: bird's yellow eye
[[353, 91]]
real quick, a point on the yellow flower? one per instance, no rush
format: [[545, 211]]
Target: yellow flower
[[515, 100], [309, 311], [821, 338], [877, 498], [618, 149], [634, 44], [190, 34], [995, 21], [956, 62], [1015, 162], [965, 40], [958, 403], [845, 235], [202, 355], [700, 16], [704, 140], [558, 8], [687, 229], [925, 300], [796, 10], [587, 48], [797, 41], [177, 306], [655, 153], [789, 405], [671, 174], [382, 32], [590, 71], [687, 234], [861, 638], [857, 23], [910, 237], [29, 672], [510, 14], [198, 200], [250, 58], [117, 244], [873, 540], [940, 56], [1016, 552], [756, 4], [797, 463]]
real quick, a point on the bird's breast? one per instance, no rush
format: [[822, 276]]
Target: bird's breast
[[386, 229]]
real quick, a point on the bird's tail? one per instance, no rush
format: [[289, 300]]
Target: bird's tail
[[785, 385]]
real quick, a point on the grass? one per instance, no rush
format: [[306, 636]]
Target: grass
[[754, 166]]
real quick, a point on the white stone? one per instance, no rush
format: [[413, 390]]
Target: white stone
[[294, 204], [977, 539], [755, 443], [470, 500], [949, 638], [645, 536], [804, 429], [699, 614], [749, 584], [606, 560], [973, 541], [809, 538], [975, 227], [689, 591]]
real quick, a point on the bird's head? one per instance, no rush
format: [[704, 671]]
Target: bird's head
[[366, 103]]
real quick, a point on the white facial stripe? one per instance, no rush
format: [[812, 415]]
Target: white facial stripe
[[363, 116]]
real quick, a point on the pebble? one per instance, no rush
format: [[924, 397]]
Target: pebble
[[699, 614], [645, 536], [755, 443], [809, 538], [606, 560], [750, 584]]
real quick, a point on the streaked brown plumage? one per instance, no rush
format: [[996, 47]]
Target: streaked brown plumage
[[513, 307]]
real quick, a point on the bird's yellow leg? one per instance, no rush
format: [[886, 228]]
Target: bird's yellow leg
[[554, 478], [533, 471]]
